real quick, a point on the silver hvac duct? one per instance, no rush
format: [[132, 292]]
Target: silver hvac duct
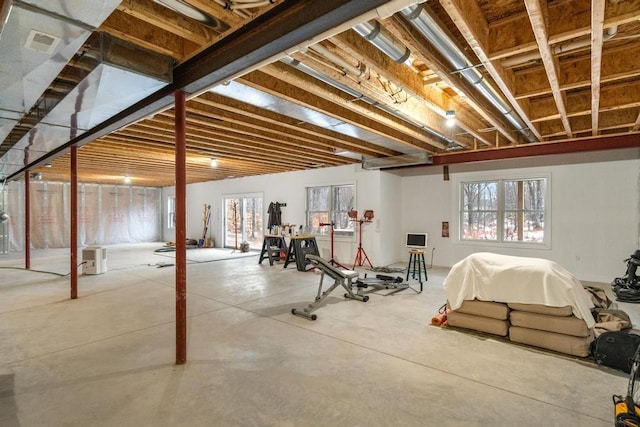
[[424, 21], [41, 36], [370, 30], [361, 97], [124, 74]]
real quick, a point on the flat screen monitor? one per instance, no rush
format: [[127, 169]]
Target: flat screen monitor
[[417, 240]]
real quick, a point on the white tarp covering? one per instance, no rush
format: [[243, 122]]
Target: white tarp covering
[[106, 214], [503, 278]]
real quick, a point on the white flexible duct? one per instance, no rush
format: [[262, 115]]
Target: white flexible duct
[[235, 6], [336, 59], [226, 5], [557, 49]]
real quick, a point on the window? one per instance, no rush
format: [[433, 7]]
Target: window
[[171, 212], [330, 204], [504, 210], [243, 220]]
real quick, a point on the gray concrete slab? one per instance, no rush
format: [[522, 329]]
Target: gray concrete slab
[[107, 358]]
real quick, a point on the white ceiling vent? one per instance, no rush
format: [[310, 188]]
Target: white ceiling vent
[[41, 42]]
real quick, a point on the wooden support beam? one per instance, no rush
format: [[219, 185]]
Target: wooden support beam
[[538, 18], [612, 97], [285, 82], [293, 126], [131, 29], [430, 96], [467, 16], [513, 35], [616, 119], [168, 20], [575, 73], [597, 28]]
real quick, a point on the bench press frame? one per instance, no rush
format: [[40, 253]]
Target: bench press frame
[[342, 278]]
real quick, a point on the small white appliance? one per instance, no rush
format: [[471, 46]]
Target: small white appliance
[[94, 260]]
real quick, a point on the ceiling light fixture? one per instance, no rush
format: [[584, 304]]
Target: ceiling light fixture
[[214, 162], [451, 118], [127, 180]]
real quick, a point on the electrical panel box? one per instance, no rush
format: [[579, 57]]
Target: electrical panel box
[[94, 260]]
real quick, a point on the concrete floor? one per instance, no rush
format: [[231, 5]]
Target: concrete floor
[[107, 358]]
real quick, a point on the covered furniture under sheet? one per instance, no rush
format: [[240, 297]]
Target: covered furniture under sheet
[[509, 279], [532, 301]]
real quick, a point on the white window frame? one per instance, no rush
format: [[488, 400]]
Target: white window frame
[[501, 178], [339, 232]]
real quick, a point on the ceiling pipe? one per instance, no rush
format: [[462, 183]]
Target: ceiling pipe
[[361, 97], [429, 26], [213, 65], [372, 32], [515, 61], [246, 5], [323, 51]]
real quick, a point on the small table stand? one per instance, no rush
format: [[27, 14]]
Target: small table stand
[[416, 266], [299, 247], [273, 247]]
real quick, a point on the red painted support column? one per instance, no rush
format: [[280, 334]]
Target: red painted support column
[[74, 222], [27, 222], [181, 232]]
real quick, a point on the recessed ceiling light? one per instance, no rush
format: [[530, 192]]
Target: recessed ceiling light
[[127, 180]]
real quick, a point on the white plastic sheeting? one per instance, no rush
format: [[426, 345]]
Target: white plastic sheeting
[[107, 214]]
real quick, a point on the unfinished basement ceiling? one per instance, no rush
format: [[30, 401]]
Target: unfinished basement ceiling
[[513, 72]]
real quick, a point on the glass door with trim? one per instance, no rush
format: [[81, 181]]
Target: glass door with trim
[[243, 221]]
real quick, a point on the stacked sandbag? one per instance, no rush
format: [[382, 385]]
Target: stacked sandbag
[[484, 316], [553, 328]]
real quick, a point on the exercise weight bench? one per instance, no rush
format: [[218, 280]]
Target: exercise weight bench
[[342, 278]]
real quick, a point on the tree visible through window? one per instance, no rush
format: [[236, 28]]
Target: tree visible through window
[[503, 210], [330, 204]]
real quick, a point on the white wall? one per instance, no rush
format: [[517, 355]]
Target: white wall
[[290, 188], [595, 204], [595, 199], [389, 225]]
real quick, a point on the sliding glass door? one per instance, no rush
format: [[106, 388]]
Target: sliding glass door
[[243, 216]]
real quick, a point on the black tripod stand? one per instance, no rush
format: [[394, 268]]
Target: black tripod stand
[[332, 261]]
